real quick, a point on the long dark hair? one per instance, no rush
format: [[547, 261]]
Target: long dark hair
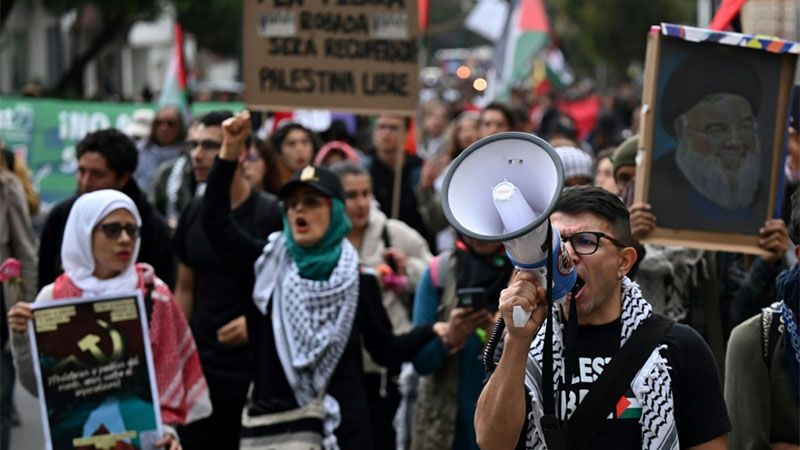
[[270, 181], [277, 138]]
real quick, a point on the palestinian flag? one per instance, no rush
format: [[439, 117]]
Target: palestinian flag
[[558, 71], [174, 90], [551, 71], [628, 408], [523, 38]]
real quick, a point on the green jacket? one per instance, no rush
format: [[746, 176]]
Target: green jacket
[[760, 403]]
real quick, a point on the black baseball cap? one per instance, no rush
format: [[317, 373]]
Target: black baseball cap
[[704, 72], [318, 178]]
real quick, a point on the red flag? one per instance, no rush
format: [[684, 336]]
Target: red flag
[[727, 11], [179, 55], [422, 14]]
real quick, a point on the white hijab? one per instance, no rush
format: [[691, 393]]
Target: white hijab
[[76, 249]]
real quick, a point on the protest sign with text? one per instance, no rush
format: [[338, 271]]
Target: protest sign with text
[[351, 55], [94, 372]]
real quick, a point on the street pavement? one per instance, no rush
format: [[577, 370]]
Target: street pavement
[[29, 435]]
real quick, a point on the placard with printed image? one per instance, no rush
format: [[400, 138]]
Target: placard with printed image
[[94, 372], [713, 126]]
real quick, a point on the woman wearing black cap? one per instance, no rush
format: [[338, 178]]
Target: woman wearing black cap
[[311, 306]]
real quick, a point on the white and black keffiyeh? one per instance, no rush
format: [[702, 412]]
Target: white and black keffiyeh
[[311, 320], [174, 180], [651, 385]]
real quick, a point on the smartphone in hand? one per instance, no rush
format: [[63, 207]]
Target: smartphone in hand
[[474, 298]]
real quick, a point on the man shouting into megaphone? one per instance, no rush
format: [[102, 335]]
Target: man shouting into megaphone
[[623, 377]]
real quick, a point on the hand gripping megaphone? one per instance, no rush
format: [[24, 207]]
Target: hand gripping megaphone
[[503, 188]]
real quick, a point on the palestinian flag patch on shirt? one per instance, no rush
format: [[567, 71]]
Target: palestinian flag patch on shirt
[[628, 408]]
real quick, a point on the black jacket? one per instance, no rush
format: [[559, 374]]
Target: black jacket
[[271, 391]]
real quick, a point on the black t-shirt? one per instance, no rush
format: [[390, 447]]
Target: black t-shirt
[[700, 412], [217, 299]]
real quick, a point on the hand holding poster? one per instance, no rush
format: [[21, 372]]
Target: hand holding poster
[[94, 372], [713, 124]]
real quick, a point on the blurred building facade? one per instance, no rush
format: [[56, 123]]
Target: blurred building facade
[[36, 49]]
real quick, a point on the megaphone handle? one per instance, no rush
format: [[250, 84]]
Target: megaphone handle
[[519, 315]]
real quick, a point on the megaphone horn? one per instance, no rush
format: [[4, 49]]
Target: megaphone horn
[[503, 188]]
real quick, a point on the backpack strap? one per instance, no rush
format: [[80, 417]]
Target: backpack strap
[[604, 393], [387, 240], [770, 331], [439, 269]]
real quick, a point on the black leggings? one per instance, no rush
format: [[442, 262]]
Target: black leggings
[[383, 402], [221, 429]]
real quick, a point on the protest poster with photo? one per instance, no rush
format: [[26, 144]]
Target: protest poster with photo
[[714, 109], [94, 372], [342, 55]]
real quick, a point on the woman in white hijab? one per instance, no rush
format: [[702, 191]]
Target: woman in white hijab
[[101, 242]]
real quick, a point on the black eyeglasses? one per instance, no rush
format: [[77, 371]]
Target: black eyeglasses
[[113, 230], [717, 132], [205, 144], [308, 202], [587, 242]]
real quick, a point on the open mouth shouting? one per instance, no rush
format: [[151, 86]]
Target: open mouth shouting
[[577, 290], [308, 214], [301, 225]]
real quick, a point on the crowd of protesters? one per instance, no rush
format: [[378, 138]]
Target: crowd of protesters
[[310, 277]]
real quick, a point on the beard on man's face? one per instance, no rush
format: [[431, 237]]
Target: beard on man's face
[[705, 172]]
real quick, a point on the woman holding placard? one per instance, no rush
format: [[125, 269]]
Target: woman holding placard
[[101, 242]]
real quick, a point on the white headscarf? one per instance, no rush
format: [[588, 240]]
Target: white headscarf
[[76, 249]]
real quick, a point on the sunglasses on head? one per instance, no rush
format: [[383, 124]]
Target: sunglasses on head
[[205, 144], [113, 230]]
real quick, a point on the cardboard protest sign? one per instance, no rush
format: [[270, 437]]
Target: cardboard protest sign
[[331, 54], [94, 373], [713, 122]]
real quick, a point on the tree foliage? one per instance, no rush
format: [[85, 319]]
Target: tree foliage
[[612, 32], [216, 24], [99, 24]]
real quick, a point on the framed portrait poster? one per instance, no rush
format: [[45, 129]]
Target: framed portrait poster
[[94, 373], [714, 112]]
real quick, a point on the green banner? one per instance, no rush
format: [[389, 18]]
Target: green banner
[[45, 132]]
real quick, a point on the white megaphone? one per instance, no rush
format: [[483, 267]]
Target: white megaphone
[[503, 188]]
